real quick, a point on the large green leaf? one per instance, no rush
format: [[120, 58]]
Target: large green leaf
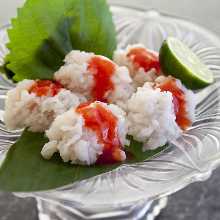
[[2, 69], [24, 169], [46, 30]]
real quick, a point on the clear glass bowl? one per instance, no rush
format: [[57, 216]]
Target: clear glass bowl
[[130, 189]]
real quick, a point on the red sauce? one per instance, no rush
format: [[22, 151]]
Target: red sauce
[[45, 88], [144, 58], [102, 70], [104, 124], [178, 101]]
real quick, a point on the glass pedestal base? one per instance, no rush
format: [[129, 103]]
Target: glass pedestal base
[[144, 211]]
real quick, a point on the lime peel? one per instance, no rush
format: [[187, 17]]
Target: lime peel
[[178, 60]]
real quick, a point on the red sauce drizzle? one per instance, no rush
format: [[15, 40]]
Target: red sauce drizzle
[[45, 88], [178, 101], [102, 70], [144, 58], [104, 124]]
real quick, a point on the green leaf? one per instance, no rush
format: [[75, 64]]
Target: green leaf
[[135, 149], [2, 69], [6, 71], [25, 170], [46, 30]]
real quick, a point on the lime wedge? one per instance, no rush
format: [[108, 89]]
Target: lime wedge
[[178, 60]]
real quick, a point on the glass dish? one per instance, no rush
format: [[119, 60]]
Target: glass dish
[[128, 191]]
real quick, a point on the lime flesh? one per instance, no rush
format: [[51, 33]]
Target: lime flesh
[[178, 60]]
